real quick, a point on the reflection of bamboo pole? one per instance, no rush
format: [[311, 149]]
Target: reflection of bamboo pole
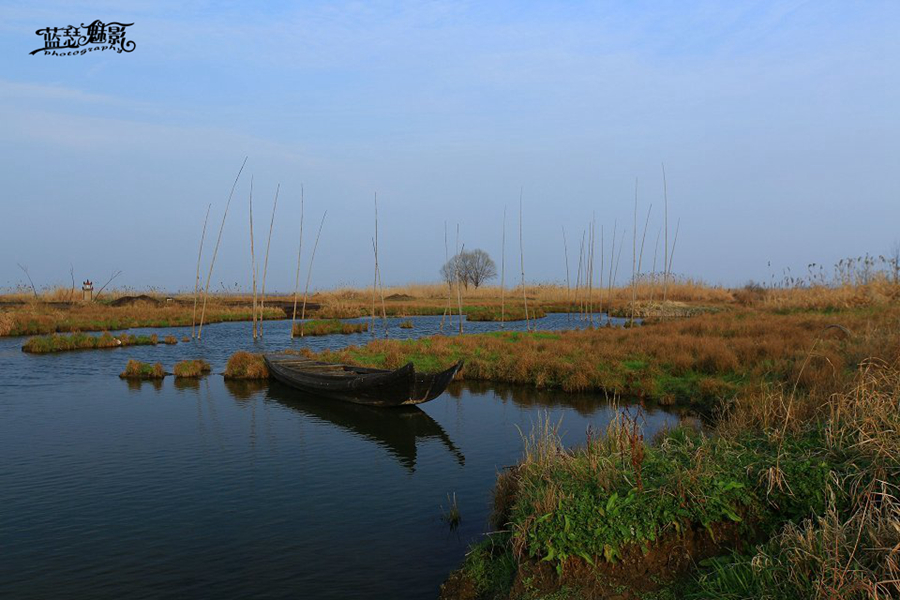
[[297, 278], [216, 251], [262, 303], [309, 273], [522, 263], [252, 258], [197, 278], [568, 285], [503, 272]]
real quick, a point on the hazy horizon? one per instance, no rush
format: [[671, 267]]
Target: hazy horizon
[[777, 124]]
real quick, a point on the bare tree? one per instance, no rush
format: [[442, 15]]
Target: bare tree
[[475, 267], [479, 267]]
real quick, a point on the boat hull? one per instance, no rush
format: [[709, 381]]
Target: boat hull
[[372, 387]]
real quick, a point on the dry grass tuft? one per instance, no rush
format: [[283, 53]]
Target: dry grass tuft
[[192, 368], [136, 369], [246, 365]]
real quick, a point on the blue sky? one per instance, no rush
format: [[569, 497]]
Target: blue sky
[[778, 124]]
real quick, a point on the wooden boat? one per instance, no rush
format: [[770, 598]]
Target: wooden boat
[[374, 387]]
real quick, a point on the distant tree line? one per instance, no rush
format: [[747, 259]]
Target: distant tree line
[[475, 267]]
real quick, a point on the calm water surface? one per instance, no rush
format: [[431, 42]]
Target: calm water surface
[[219, 490]]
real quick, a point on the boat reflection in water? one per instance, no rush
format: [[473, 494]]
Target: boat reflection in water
[[398, 429]]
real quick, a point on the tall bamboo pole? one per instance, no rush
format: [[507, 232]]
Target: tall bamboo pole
[[449, 308], [568, 285], [378, 271], [458, 286], [643, 239], [675, 241], [619, 256], [653, 271], [612, 255], [262, 304], [634, 253], [579, 282], [522, 262], [591, 271], [197, 278], [503, 272], [297, 278], [216, 251], [309, 273], [252, 258], [666, 259], [602, 263]]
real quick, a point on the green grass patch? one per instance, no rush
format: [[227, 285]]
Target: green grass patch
[[81, 341]]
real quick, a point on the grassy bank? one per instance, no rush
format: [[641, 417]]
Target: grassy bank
[[697, 361], [81, 341], [792, 494], [329, 327], [795, 497], [37, 318]]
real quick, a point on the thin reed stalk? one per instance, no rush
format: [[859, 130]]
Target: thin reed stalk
[[634, 252], [522, 262], [378, 272], [666, 259], [252, 258], [197, 278], [590, 305], [458, 286], [602, 262], [262, 303], [568, 285], [449, 308], [297, 278], [216, 250], [503, 271], [653, 271], [619, 256], [309, 273], [641, 253]]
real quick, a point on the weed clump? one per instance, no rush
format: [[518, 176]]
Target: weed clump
[[246, 365], [170, 340], [136, 369], [192, 368], [407, 324]]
